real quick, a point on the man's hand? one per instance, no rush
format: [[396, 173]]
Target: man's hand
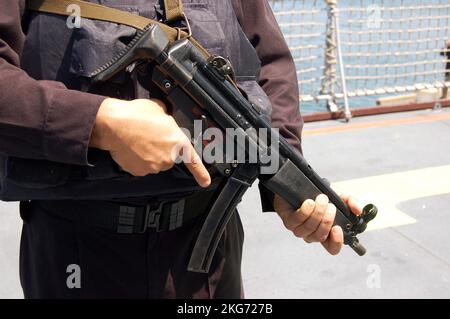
[[143, 139], [313, 221]]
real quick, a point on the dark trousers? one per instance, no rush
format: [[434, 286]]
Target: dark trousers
[[60, 258]]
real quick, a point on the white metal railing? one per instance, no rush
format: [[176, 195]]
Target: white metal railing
[[351, 48]]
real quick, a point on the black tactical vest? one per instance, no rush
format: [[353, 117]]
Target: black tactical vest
[[55, 52]]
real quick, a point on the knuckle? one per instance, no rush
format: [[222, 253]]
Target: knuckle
[[138, 172], [312, 239], [132, 172], [309, 227], [300, 218], [305, 211], [321, 212], [298, 233], [154, 169], [315, 237], [194, 164], [321, 199], [309, 202], [168, 162], [184, 145], [289, 226], [308, 205], [327, 222], [329, 217], [166, 167]]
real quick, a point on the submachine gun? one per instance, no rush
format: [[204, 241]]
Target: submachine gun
[[192, 81]]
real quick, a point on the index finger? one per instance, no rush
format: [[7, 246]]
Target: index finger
[[161, 104], [195, 165]]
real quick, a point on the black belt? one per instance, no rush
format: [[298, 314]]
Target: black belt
[[159, 215]]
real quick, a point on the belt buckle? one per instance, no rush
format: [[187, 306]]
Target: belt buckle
[[152, 218], [174, 215]]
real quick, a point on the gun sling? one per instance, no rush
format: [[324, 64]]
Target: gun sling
[[88, 10]]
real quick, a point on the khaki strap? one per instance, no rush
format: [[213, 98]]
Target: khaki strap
[[95, 11], [174, 10], [88, 10]]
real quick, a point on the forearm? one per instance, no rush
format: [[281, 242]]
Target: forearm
[[39, 119], [278, 75], [44, 120]]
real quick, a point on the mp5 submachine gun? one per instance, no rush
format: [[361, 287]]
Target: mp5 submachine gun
[[190, 81]]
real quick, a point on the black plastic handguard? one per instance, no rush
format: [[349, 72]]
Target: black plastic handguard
[[295, 187]]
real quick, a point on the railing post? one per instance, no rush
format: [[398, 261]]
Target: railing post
[[333, 56], [329, 72]]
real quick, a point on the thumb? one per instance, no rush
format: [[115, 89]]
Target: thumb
[[335, 241]]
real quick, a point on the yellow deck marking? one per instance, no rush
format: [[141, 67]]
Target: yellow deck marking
[[377, 124], [387, 191]]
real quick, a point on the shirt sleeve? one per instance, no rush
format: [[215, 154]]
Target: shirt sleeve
[[278, 76], [39, 119]]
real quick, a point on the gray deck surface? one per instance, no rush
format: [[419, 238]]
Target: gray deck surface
[[408, 249]]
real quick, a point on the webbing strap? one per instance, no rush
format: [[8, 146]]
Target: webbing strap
[[95, 11], [88, 10], [174, 10]]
